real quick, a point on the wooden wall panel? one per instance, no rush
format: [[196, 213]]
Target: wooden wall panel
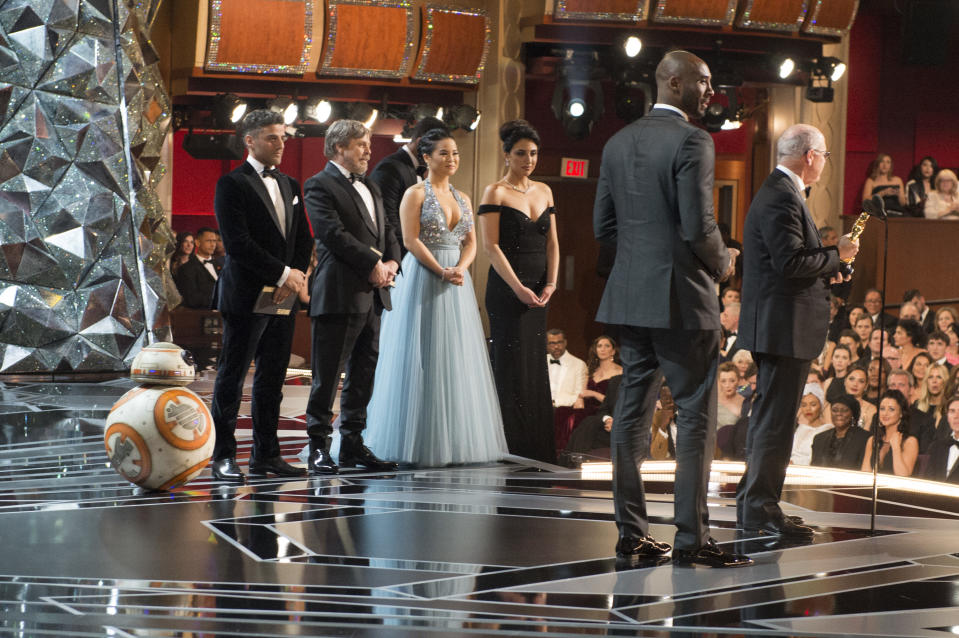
[[368, 40], [697, 12], [831, 17], [605, 10], [277, 41], [773, 15], [454, 45]]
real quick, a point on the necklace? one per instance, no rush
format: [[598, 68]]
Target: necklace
[[517, 188]]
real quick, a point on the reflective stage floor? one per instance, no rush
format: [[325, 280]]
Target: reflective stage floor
[[507, 549]]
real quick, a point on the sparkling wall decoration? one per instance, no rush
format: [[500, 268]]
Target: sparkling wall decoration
[[83, 238]]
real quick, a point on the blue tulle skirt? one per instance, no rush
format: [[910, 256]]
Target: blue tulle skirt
[[434, 401]]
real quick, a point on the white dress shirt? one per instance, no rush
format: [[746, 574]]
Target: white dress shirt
[[953, 456], [416, 163], [273, 188], [364, 192], [567, 379]]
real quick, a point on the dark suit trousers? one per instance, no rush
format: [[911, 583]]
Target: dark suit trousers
[[266, 340], [351, 340], [688, 359], [769, 439]]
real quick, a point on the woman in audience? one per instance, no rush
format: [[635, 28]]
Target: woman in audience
[[910, 340], [898, 449], [844, 445], [920, 184], [931, 390], [863, 328], [945, 316], [601, 366], [850, 339], [952, 350], [810, 423], [730, 401], [743, 359], [882, 182], [855, 384], [185, 243], [873, 389], [841, 361], [920, 367], [943, 202]]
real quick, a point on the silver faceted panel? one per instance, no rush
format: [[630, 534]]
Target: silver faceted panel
[[83, 238]]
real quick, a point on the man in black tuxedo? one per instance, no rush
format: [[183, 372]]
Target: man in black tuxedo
[[944, 452], [357, 259], [196, 278], [260, 215], [397, 172], [655, 200], [787, 274]]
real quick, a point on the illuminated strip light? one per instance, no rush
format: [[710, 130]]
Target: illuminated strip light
[[732, 471]]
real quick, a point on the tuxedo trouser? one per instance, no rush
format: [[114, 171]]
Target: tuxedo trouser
[[769, 438], [348, 341], [265, 339], [688, 359]]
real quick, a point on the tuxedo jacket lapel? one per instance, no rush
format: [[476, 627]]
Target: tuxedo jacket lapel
[[352, 194], [257, 184]]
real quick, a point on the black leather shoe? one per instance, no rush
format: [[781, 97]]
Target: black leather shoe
[[355, 453], [709, 555], [785, 528], [320, 462], [795, 519], [274, 465], [640, 547], [227, 470]]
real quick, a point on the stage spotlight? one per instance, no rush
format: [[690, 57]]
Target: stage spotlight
[[318, 109], [715, 117], [731, 125], [786, 67], [364, 112], [823, 72], [215, 146], [285, 105], [576, 107], [834, 67], [421, 111], [462, 116], [633, 100], [632, 46], [228, 109]]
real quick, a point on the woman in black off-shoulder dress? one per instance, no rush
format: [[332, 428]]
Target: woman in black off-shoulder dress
[[516, 224]]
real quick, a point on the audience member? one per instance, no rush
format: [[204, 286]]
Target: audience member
[[852, 315], [910, 340], [815, 375], [730, 401], [919, 367], [892, 358], [919, 184], [196, 278], [899, 449], [909, 310], [945, 316], [730, 295], [874, 386], [863, 328], [944, 452], [729, 320], [663, 427], [881, 181], [592, 432], [850, 340], [922, 425], [185, 242], [602, 365], [930, 392], [844, 445], [828, 236], [878, 342], [926, 317], [943, 202], [567, 372], [743, 360], [838, 369], [936, 346], [952, 350], [810, 422], [219, 253], [855, 384], [872, 302], [838, 318]]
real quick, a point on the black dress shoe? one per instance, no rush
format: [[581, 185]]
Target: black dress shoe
[[709, 555], [355, 453], [227, 470], [640, 547], [786, 528], [320, 462], [274, 465]]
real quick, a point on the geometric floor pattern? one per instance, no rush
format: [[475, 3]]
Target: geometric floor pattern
[[513, 548]]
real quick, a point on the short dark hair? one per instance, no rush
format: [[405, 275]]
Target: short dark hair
[[911, 294], [516, 130], [425, 125], [851, 334], [207, 229], [255, 120], [850, 402], [556, 331], [429, 140], [938, 335], [913, 329]]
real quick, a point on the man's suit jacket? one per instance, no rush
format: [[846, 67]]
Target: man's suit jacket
[[348, 245], [669, 252], [570, 379], [853, 450], [393, 175], [785, 297], [936, 469], [257, 251], [195, 283]]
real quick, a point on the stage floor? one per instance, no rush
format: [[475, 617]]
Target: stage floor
[[513, 548]]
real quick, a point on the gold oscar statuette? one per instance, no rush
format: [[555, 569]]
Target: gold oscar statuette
[[856, 231]]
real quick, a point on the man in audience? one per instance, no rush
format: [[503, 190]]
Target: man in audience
[[196, 278], [893, 357], [729, 320], [926, 317], [873, 304], [944, 452], [922, 425], [936, 345], [829, 236], [863, 328], [730, 295], [909, 310], [567, 373]]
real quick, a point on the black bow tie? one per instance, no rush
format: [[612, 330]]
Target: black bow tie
[[954, 442], [421, 171], [208, 261], [356, 177], [807, 190], [556, 361], [270, 172]]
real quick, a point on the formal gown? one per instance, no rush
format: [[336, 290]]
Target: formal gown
[[567, 418], [434, 401], [519, 335]]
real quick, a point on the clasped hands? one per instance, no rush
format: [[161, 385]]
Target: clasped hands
[[453, 274], [384, 273], [295, 282], [531, 299]]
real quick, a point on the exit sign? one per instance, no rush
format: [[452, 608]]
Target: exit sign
[[573, 167]]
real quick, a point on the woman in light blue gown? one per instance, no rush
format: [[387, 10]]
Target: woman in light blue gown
[[434, 401]]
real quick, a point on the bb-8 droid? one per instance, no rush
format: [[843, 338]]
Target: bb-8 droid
[[159, 435]]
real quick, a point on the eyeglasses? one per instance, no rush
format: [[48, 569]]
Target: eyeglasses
[[825, 154]]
